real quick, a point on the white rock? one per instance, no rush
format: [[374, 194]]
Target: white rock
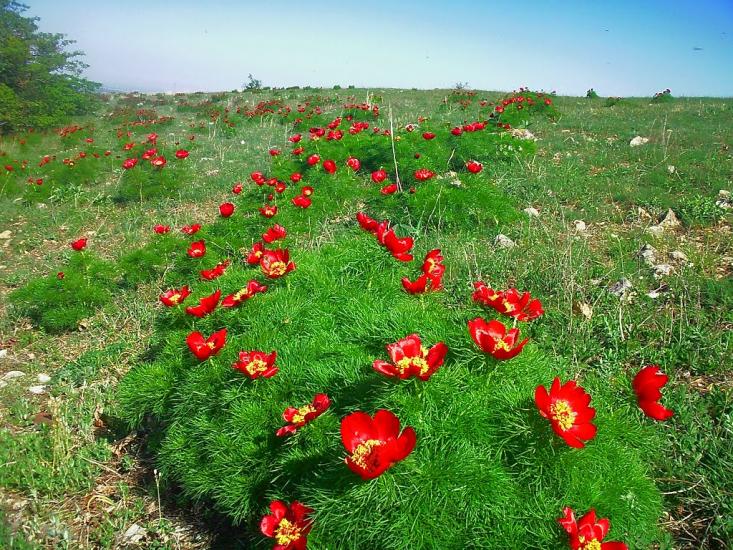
[[37, 390], [670, 220], [580, 225], [13, 374], [643, 214], [522, 133], [532, 212], [134, 534], [663, 270], [638, 140], [502, 241], [44, 378], [648, 253], [724, 200], [3, 383], [6, 234], [678, 256], [620, 287], [671, 169], [3, 352]]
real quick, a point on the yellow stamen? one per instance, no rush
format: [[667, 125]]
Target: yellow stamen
[[278, 268], [501, 344], [562, 413], [286, 532], [362, 452], [593, 544], [175, 299], [508, 306], [299, 416], [256, 366]]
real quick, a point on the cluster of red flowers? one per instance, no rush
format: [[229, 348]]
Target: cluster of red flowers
[[399, 247]]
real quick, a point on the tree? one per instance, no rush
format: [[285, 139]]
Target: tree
[[40, 79], [253, 84]]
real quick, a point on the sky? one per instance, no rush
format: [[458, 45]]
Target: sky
[[618, 47]]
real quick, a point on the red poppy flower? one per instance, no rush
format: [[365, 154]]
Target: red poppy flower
[[375, 444], [279, 187], [203, 348], [257, 364], [428, 135], [191, 229], [60, 275], [161, 229], [299, 417], [423, 174], [353, 163], [647, 385], [255, 253], [378, 176], [302, 201], [298, 150], [493, 338], [79, 244], [149, 154], [226, 209], [588, 533], [295, 139], [173, 297], [129, 163], [233, 300], [295, 177], [152, 137], [313, 159], [268, 211], [566, 407], [288, 525], [197, 249], [216, 272], [306, 190], [276, 263], [158, 162], [410, 358], [329, 166], [456, 131], [257, 177], [237, 189], [128, 146], [274, 152], [474, 167], [432, 271], [389, 189], [398, 247], [181, 154], [367, 223], [206, 305], [274, 233], [509, 302]]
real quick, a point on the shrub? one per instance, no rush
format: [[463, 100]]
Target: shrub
[[665, 96], [591, 94]]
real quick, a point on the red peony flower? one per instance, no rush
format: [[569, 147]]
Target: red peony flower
[[456, 131], [161, 229], [299, 417], [295, 139], [268, 211], [233, 300], [423, 174], [428, 135], [367, 223], [288, 525], [152, 137], [149, 154], [203, 348], [255, 253], [398, 247], [298, 150], [306, 190], [375, 444], [313, 159], [226, 209], [181, 154], [158, 162], [378, 176], [295, 177], [410, 358], [257, 364], [279, 188], [276, 263], [493, 338], [647, 385], [566, 407], [474, 167], [302, 201], [197, 249], [509, 302], [329, 166], [129, 163], [206, 305], [432, 271], [257, 177], [237, 189], [588, 533], [274, 233], [216, 272], [353, 163], [79, 244], [274, 152], [389, 189], [173, 297], [191, 229]]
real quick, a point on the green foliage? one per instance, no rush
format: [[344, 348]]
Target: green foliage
[[611, 101], [591, 94], [665, 96], [149, 262], [699, 210], [58, 304]]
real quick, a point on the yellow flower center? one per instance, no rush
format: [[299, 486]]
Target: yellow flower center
[[362, 452], [501, 344], [278, 268], [299, 416], [287, 532], [406, 362], [593, 544], [175, 299], [256, 366], [562, 413], [508, 306], [210, 345]]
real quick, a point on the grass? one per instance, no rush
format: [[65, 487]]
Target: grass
[[583, 169]]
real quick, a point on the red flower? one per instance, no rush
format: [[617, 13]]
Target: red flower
[[299, 417], [255, 253], [288, 525], [276, 263], [367, 223], [329, 166], [279, 188], [428, 135], [588, 533], [161, 229], [158, 162], [410, 358], [181, 154], [206, 305], [203, 348], [398, 247], [306, 190], [647, 385], [302, 201], [509, 302], [173, 297], [252, 288], [313, 159], [274, 233], [353, 163], [423, 174], [191, 229], [216, 272], [152, 137], [389, 189], [566, 407], [237, 189], [268, 211], [257, 177], [432, 270], [298, 150], [295, 139], [378, 176], [257, 364], [295, 177], [197, 249], [493, 338], [150, 153], [474, 167], [226, 209], [456, 131], [79, 244], [375, 444], [129, 163]]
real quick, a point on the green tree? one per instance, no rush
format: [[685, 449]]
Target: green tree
[[40, 78]]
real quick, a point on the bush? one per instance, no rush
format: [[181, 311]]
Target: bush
[[665, 96], [591, 94]]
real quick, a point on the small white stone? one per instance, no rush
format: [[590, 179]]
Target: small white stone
[[13, 374], [37, 390], [3, 352], [678, 256], [671, 169], [620, 287], [6, 234], [502, 241], [663, 270], [44, 378], [532, 212], [648, 253], [580, 225], [638, 140]]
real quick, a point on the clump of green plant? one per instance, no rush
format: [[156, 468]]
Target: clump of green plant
[[58, 302], [591, 94], [699, 210], [611, 101], [149, 262], [665, 96]]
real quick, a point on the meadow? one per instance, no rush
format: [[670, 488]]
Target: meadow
[[124, 422]]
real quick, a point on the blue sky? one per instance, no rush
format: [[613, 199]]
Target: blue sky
[[618, 47]]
